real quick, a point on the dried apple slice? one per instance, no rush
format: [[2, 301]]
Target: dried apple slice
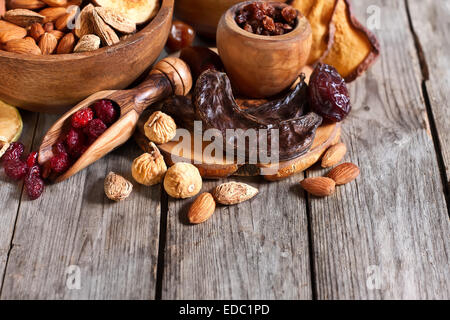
[[138, 11], [354, 48]]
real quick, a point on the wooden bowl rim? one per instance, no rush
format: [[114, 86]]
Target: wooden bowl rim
[[158, 20], [301, 30]]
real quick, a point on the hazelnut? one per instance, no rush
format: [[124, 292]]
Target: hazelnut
[[117, 188], [182, 180], [149, 168], [160, 128]]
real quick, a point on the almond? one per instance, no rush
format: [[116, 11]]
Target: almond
[[334, 155], [105, 32], [344, 173], [23, 17], [48, 43], [49, 26], [25, 4], [88, 42], [52, 14], [66, 44], [318, 186], [234, 192], [202, 208], [27, 46], [9, 31], [116, 20], [66, 21], [58, 34], [55, 3], [85, 24], [36, 31]]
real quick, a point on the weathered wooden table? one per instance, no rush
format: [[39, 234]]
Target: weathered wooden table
[[387, 235]]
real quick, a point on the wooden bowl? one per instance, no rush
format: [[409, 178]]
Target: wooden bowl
[[203, 15], [262, 66], [54, 83]]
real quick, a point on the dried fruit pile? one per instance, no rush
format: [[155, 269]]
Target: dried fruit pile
[[266, 19], [60, 27]]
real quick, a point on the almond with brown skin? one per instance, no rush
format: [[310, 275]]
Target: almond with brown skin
[[25, 4], [9, 31], [334, 155], [58, 34], [48, 43], [49, 26], [105, 32], [319, 186], [202, 208], [62, 23], [66, 44], [89, 42], [26, 46], [344, 173], [36, 31], [55, 3], [116, 20], [85, 24], [52, 14], [234, 192], [23, 17]]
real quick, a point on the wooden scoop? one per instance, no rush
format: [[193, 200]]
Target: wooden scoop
[[169, 76]]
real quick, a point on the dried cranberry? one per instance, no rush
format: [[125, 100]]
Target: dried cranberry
[[75, 139], [14, 152], [59, 148], [34, 171], [82, 117], [289, 14], [60, 163], [15, 169], [34, 187], [105, 111], [31, 159], [328, 93], [95, 128]]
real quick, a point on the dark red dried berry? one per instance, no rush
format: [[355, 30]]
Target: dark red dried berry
[[94, 129], [328, 93], [105, 111], [241, 19], [59, 148], [14, 152], [75, 139], [34, 171], [268, 24], [289, 14], [82, 117], [60, 163], [248, 28], [34, 187], [31, 159], [15, 169]]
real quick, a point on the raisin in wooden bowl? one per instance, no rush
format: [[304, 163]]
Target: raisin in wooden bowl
[[53, 83], [259, 65]]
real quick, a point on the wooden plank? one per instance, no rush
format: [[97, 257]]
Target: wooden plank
[[10, 194], [430, 22], [115, 245], [255, 250], [386, 235]]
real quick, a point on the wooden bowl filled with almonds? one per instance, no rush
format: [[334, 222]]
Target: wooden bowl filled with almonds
[[55, 53]]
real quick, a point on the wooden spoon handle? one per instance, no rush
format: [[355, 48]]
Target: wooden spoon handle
[[169, 76]]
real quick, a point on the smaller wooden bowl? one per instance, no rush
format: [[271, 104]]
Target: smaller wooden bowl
[[262, 66]]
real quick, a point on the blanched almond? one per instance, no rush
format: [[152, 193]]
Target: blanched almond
[[318, 186]]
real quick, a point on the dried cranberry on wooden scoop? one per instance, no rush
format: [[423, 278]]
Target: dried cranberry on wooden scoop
[[328, 93]]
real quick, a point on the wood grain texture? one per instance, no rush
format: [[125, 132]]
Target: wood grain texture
[[430, 23], [10, 194], [392, 222], [115, 245], [54, 83], [255, 250]]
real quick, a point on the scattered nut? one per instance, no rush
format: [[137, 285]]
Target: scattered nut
[[48, 43], [88, 42], [36, 31], [66, 44], [85, 22], [23, 17], [202, 208], [319, 186], [344, 173], [160, 128], [117, 188], [27, 45], [234, 192], [182, 180], [149, 168], [334, 155]]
